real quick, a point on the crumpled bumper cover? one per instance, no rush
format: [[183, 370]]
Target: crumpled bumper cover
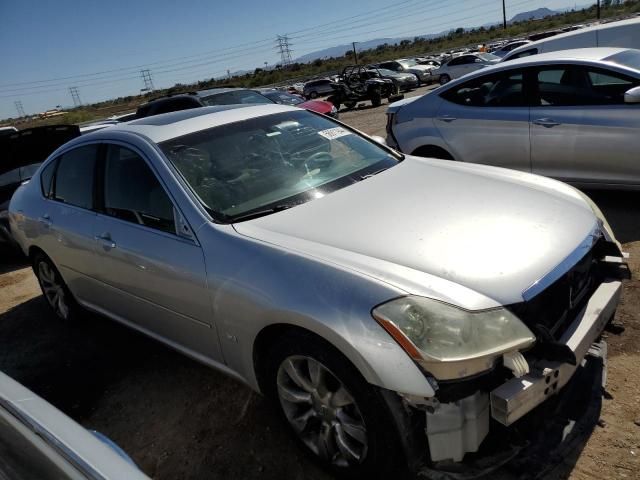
[[518, 396]]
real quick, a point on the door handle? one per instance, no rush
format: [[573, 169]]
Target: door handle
[[446, 118], [45, 220], [106, 240], [545, 122]]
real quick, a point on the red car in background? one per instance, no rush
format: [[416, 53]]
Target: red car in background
[[286, 98]]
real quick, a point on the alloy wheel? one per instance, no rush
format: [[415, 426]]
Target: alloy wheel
[[321, 411], [53, 289]]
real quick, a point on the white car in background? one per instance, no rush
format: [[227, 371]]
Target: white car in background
[[463, 64], [623, 34]]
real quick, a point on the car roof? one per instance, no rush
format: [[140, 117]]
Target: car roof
[[165, 126], [572, 33], [217, 91]]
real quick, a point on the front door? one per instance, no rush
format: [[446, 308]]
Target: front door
[[486, 120], [153, 277], [581, 129]]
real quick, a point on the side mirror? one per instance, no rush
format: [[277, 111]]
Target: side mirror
[[378, 139], [632, 95]]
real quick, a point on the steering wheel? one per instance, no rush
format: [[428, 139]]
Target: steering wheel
[[318, 161]]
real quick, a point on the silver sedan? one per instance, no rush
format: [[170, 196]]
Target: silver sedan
[[368, 293], [573, 115]]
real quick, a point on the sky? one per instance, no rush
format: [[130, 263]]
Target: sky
[[101, 46]]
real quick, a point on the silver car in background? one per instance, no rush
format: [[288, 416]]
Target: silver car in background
[[573, 115], [388, 304]]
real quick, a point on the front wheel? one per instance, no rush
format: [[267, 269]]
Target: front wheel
[[444, 79], [333, 412], [376, 99], [334, 100]]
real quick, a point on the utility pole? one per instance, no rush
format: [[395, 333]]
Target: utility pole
[[75, 95], [355, 52], [228, 74], [504, 15], [598, 9], [20, 108], [148, 81], [283, 46]]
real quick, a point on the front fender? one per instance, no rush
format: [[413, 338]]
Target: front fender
[[255, 285]]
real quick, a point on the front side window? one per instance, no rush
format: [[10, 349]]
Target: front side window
[[272, 162], [575, 86], [133, 193], [524, 53], [504, 89], [74, 177]]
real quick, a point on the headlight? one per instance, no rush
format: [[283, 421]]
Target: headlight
[[449, 342]]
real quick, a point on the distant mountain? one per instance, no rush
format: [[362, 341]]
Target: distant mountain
[[532, 15]]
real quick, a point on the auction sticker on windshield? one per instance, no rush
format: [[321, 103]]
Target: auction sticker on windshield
[[332, 133]]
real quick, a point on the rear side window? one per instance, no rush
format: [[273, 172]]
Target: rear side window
[[74, 177], [499, 90], [46, 178], [133, 193]]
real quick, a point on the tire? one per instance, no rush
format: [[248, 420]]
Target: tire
[[334, 100], [350, 105], [376, 99], [313, 94], [54, 290], [339, 418], [444, 79]]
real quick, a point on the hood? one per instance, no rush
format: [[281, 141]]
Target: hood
[[487, 230], [319, 106]]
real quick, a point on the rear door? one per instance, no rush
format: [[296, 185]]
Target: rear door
[[67, 219], [486, 120], [581, 129], [153, 277]]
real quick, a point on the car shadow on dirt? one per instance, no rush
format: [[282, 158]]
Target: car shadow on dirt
[[174, 416], [11, 260], [622, 210]]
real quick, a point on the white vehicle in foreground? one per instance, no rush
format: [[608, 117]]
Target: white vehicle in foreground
[[38, 441], [463, 64]]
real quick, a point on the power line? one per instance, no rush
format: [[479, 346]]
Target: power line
[[20, 109], [75, 96]]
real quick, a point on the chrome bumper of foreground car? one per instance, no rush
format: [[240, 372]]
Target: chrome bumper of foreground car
[[515, 398]]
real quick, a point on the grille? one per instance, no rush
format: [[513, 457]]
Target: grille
[[553, 309]]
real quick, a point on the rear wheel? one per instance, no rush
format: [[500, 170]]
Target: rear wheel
[[444, 79], [333, 412], [54, 289], [349, 105], [376, 99], [313, 94]]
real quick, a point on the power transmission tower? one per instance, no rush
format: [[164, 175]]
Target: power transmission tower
[[75, 96], [285, 50], [20, 108], [148, 81]]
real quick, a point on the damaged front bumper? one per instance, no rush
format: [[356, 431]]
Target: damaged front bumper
[[518, 396], [456, 427]]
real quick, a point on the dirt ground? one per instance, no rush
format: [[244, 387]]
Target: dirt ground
[[181, 420]]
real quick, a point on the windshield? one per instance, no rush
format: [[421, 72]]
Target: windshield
[[234, 97], [272, 162], [284, 98], [628, 58], [384, 71]]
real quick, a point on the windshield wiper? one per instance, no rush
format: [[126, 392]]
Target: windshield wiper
[[369, 175], [261, 213]]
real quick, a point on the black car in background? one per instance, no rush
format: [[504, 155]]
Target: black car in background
[[21, 153]]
